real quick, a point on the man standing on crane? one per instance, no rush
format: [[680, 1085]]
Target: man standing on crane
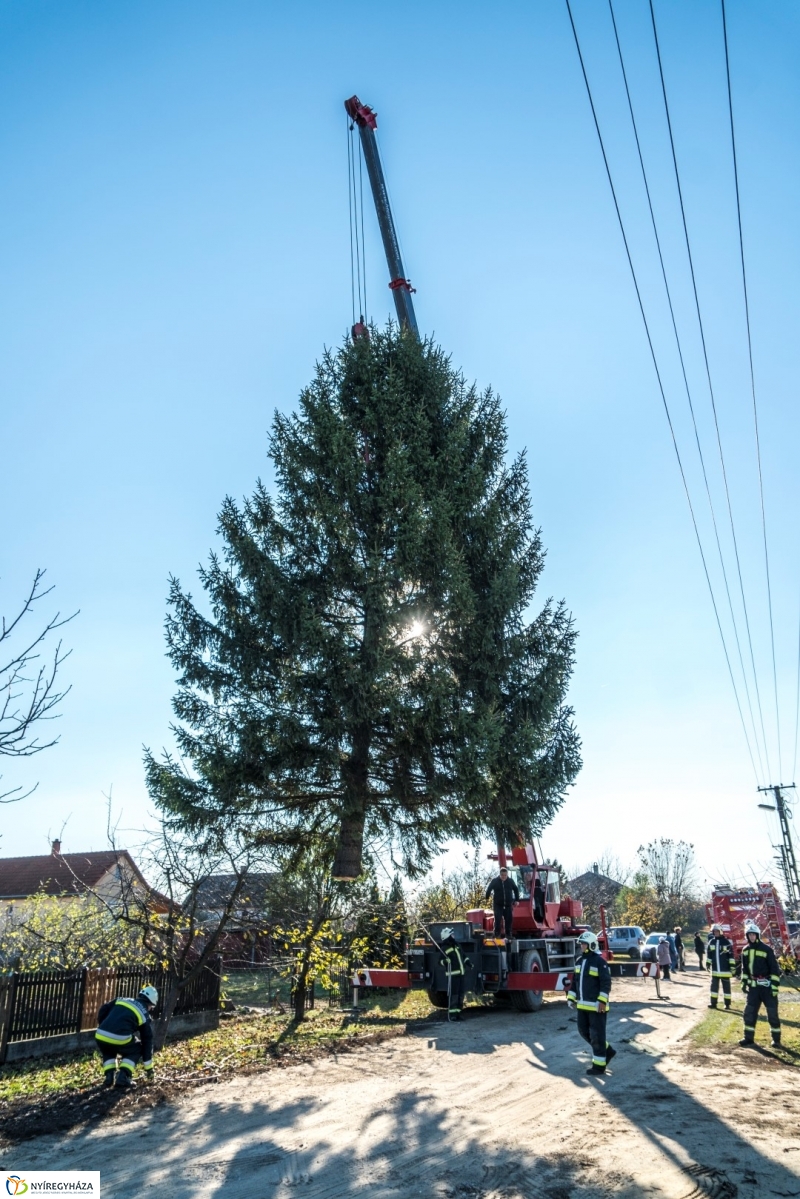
[[720, 962], [589, 993], [503, 891], [761, 977]]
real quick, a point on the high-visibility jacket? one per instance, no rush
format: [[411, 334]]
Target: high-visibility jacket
[[454, 959], [720, 957], [121, 1020], [591, 983], [760, 967]]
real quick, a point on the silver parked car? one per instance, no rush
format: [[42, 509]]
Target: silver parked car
[[627, 938]]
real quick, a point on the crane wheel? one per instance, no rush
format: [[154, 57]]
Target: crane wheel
[[528, 1001]]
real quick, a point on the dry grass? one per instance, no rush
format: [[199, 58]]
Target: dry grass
[[242, 1041], [724, 1028]]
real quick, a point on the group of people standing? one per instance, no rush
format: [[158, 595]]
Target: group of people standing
[[670, 952], [590, 987], [760, 975], [757, 968]]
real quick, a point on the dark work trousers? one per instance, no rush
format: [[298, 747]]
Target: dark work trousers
[[108, 1053], [700, 959], [456, 994], [502, 916], [130, 1054], [755, 997], [592, 1027], [726, 990]]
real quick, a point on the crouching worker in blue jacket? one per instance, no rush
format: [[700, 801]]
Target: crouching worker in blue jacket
[[125, 1030], [589, 992]]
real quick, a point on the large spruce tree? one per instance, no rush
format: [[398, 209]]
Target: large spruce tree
[[365, 663]]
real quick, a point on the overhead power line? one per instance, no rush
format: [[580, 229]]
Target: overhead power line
[[660, 383], [752, 377], [686, 386], [710, 384]]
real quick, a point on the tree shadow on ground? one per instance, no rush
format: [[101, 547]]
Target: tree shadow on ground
[[413, 1149], [686, 1131]]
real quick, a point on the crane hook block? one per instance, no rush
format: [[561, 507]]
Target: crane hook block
[[361, 114]]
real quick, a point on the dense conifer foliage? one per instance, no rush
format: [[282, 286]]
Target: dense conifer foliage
[[365, 663]]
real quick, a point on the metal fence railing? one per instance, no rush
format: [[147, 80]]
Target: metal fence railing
[[44, 1003]]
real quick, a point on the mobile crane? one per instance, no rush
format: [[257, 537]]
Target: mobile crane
[[540, 955]]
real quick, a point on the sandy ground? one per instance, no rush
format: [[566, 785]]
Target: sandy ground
[[498, 1107]]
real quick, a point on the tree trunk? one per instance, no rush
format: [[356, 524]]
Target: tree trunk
[[169, 1002], [300, 987], [347, 863], [305, 961], [355, 774]]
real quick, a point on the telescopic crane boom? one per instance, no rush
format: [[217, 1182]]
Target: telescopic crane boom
[[367, 122]]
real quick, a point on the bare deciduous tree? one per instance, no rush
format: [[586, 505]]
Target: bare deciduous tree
[[173, 922], [670, 870], [28, 690]]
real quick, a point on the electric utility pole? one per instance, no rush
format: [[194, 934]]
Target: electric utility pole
[[786, 848]]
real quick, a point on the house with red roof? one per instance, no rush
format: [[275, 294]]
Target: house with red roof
[[109, 873]]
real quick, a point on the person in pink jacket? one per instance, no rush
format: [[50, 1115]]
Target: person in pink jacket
[[663, 956]]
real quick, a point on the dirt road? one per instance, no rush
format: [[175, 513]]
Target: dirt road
[[498, 1107]]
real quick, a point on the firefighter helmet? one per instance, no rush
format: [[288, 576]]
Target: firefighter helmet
[[716, 928], [446, 933], [588, 939], [750, 926], [149, 994]]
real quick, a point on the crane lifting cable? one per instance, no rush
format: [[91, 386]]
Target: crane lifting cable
[[661, 388], [358, 261]]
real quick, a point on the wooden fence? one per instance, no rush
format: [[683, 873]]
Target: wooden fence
[[46, 1003]]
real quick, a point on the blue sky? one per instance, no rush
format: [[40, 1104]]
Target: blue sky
[[174, 250]]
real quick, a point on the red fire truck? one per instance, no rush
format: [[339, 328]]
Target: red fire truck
[[731, 907]]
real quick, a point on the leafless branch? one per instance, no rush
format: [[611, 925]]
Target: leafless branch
[[28, 691]]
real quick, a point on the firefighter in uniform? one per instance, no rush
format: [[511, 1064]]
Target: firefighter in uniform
[[761, 977], [589, 992], [125, 1030], [719, 961], [455, 975]]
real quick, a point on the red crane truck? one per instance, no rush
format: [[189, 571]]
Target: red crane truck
[[539, 956]]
